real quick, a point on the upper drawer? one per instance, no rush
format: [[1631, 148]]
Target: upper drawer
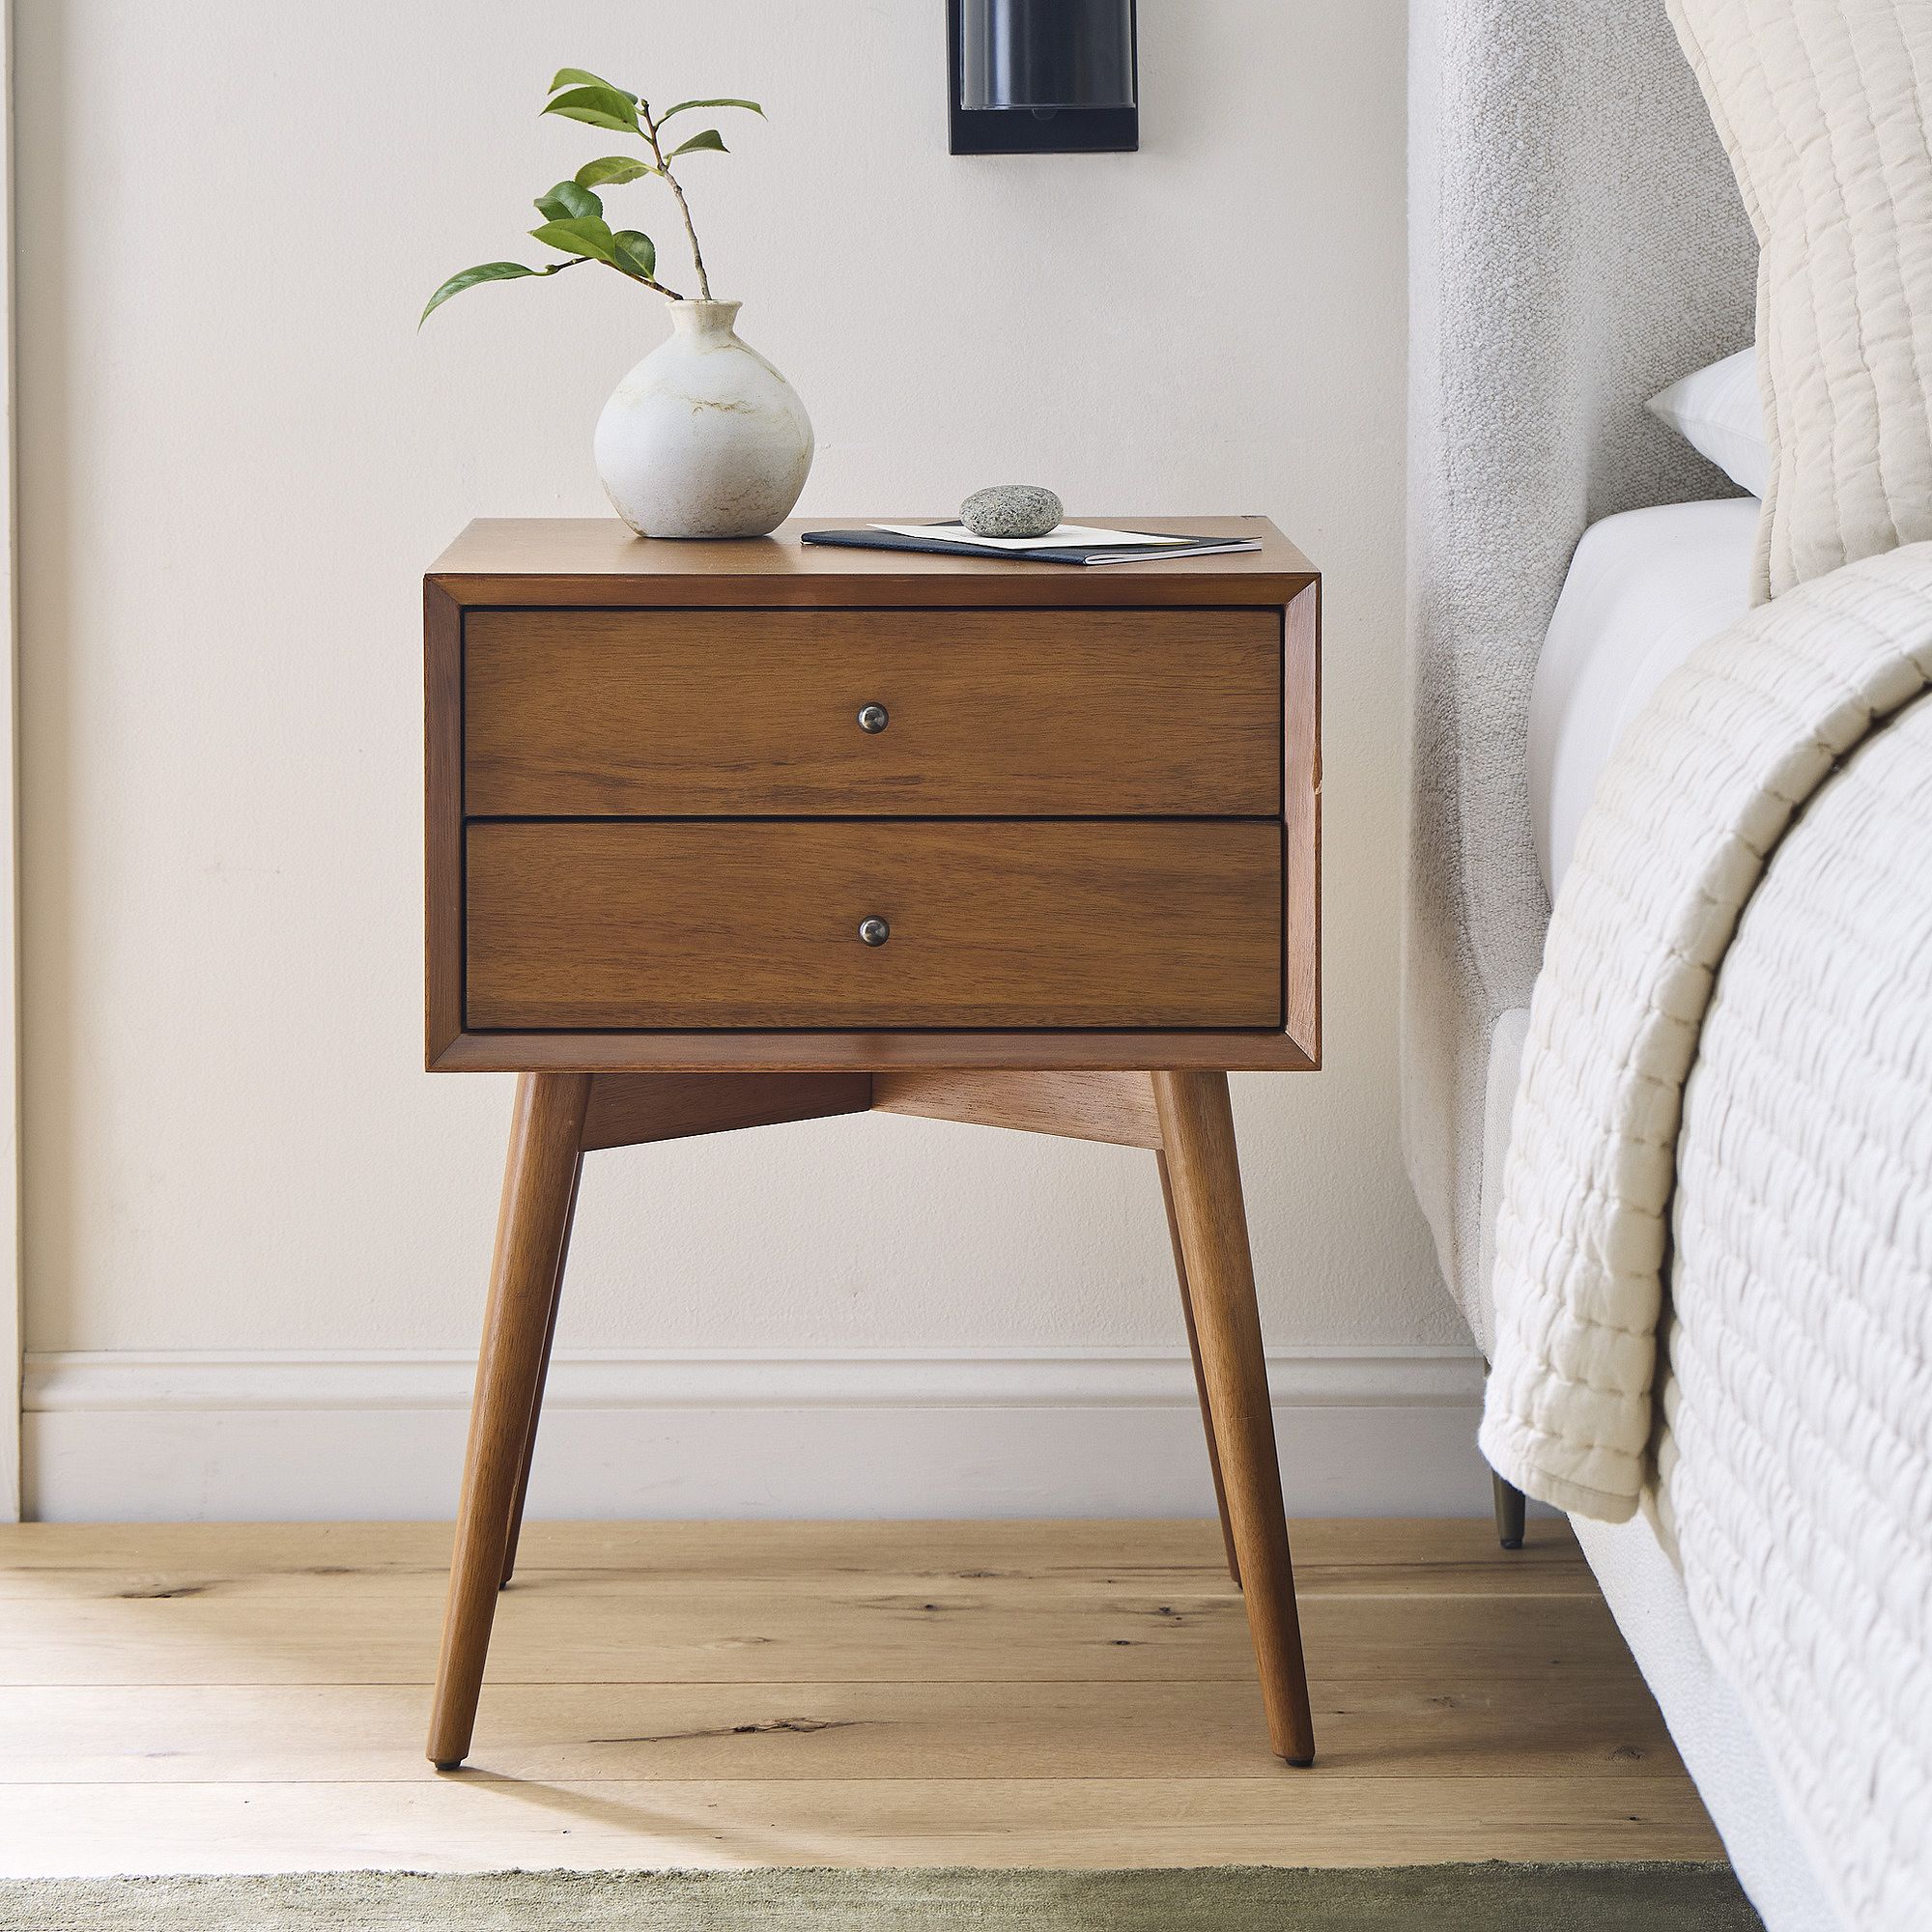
[[727, 713]]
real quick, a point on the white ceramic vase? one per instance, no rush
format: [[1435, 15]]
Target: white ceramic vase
[[703, 438]]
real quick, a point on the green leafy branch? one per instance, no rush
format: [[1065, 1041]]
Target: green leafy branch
[[574, 221]]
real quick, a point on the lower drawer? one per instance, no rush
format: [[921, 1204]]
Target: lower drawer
[[1052, 924]]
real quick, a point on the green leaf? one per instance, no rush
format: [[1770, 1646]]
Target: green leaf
[[490, 272], [683, 104], [583, 236], [600, 106], [577, 76], [610, 170], [710, 140], [635, 252], [569, 201]]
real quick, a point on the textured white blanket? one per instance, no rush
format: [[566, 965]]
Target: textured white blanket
[[1733, 1028], [1702, 788], [1797, 1463]]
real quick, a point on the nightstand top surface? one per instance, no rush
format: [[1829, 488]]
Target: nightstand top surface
[[597, 560]]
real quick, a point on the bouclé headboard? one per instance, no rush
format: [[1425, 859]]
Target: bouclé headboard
[[1577, 242]]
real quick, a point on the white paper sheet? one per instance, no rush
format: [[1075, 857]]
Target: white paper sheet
[[1063, 536]]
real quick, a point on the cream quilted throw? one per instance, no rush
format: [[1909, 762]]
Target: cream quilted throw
[[1684, 825]]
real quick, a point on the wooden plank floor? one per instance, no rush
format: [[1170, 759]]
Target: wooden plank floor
[[252, 1698]]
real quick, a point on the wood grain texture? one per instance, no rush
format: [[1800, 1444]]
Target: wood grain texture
[[631, 1109], [1499, 1727], [527, 1457], [541, 561], [246, 1697], [1180, 1254], [442, 819], [704, 925], [859, 1049], [1398, 1555], [616, 1627], [1301, 816], [539, 1181], [483, 1821], [549, 569], [1115, 1107], [657, 714], [1198, 1130]]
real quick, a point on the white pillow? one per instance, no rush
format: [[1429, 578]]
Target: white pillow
[[1719, 414]]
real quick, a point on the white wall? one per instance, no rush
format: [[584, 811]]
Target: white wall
[[238, 456]]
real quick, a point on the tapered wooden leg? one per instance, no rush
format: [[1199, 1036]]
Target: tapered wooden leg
[[1200, 1377], [543, 1376], [1198, 1130], [1510, 1511], [546, 1136]]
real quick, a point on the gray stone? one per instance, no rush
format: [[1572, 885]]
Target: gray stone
[[1011, 510]]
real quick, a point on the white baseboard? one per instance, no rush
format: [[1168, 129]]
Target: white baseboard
[[246, 1437]]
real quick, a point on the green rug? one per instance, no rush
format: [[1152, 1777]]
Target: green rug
[[1438, 1898]]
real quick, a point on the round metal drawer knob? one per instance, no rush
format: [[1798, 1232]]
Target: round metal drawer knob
[[873, 718], [874, 931]]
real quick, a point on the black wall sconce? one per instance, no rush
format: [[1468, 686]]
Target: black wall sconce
[[1042, 76]]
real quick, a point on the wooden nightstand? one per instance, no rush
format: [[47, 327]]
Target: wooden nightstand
[[721, 835]]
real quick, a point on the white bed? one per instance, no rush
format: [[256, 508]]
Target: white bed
[[1644, 589], [1577, 246], [1643, 592]]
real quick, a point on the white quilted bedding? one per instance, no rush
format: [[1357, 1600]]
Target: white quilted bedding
[[1751, 897]]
